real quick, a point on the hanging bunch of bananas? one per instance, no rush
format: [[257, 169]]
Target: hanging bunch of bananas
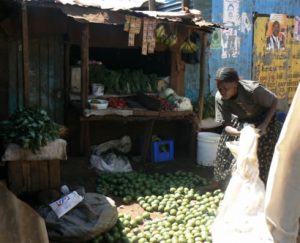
[[188, 47], [160, 33], [164, 38], [171, 40]]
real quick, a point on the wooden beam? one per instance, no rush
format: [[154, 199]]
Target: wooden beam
[[25, 52], [203, 68], [84, 65]]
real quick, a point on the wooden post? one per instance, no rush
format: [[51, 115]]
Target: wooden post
[[147, 140], [184, 4], [84, 65], [67, 77], [177, 65], [25, 52], [203, 67], [151, 5]]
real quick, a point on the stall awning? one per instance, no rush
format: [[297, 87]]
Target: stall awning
[[80, 11]]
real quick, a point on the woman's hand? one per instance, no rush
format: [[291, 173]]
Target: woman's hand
[[262, 128], [232, 131]]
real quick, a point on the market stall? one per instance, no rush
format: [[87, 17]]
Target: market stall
[[149, 42], [119, 85]]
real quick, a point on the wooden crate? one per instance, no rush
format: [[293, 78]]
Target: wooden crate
[[28, 176]]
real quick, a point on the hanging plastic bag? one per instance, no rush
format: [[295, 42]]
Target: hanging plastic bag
[[241, 215]]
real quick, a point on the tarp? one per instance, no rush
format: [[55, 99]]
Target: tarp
[[283, 187]]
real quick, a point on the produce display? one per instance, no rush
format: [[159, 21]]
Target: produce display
[[123, 81], [98, 104], [177, 102], [31, 128], [186, 213], [165, 105], [188, 47], [164, 38], [208, 107], [116, 102]]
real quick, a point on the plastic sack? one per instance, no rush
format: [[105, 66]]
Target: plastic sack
[[110, 156], [111, 163], [93, 216], [122, 145], [241, 215]]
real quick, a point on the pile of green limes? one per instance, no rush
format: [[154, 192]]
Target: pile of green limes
[[187, 213]]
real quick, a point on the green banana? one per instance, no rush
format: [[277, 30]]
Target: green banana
[[188, 47], [171, 40]]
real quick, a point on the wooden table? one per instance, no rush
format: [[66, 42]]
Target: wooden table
[[148, 117]]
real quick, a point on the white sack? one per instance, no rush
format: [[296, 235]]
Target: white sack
[[241, 214]]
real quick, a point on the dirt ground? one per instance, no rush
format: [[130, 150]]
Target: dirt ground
[[76, 171]]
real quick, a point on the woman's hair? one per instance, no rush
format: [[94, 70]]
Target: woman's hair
[[227, 74]]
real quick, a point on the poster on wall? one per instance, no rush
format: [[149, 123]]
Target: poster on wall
[[230, 41], [277, 70], [216, 39], [276, 33], [297, 28], [231, 11]]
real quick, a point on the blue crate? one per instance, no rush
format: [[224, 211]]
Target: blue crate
[[158, 155]]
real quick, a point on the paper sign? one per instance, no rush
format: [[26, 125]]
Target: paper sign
[[66, 203]]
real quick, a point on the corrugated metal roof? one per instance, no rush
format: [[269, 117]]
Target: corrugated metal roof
[[94, 14], [104, 4], [173, 5], [170, 6]]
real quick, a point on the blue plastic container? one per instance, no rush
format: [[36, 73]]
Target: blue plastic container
[[162, 151]]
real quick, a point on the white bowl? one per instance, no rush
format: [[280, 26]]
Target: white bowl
[[98, 104]]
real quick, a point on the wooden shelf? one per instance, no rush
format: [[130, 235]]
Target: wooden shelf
[[149, 117]]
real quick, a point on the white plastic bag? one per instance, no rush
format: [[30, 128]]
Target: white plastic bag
[[241, 215], [103, 160], [110, 163]]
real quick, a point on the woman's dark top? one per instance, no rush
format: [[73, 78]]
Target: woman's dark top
[[251, 103]]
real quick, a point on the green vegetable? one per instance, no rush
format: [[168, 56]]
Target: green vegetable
[[208, 107], [123, 81], [30, 128]]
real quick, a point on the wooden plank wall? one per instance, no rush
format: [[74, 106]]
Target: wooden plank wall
[[3, 80], [46, 75], [15, 76]]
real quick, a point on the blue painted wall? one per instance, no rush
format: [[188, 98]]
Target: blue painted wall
[[243, 61], [192, 71]]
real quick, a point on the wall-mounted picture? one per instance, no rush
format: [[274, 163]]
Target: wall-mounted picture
[[276, 32]]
